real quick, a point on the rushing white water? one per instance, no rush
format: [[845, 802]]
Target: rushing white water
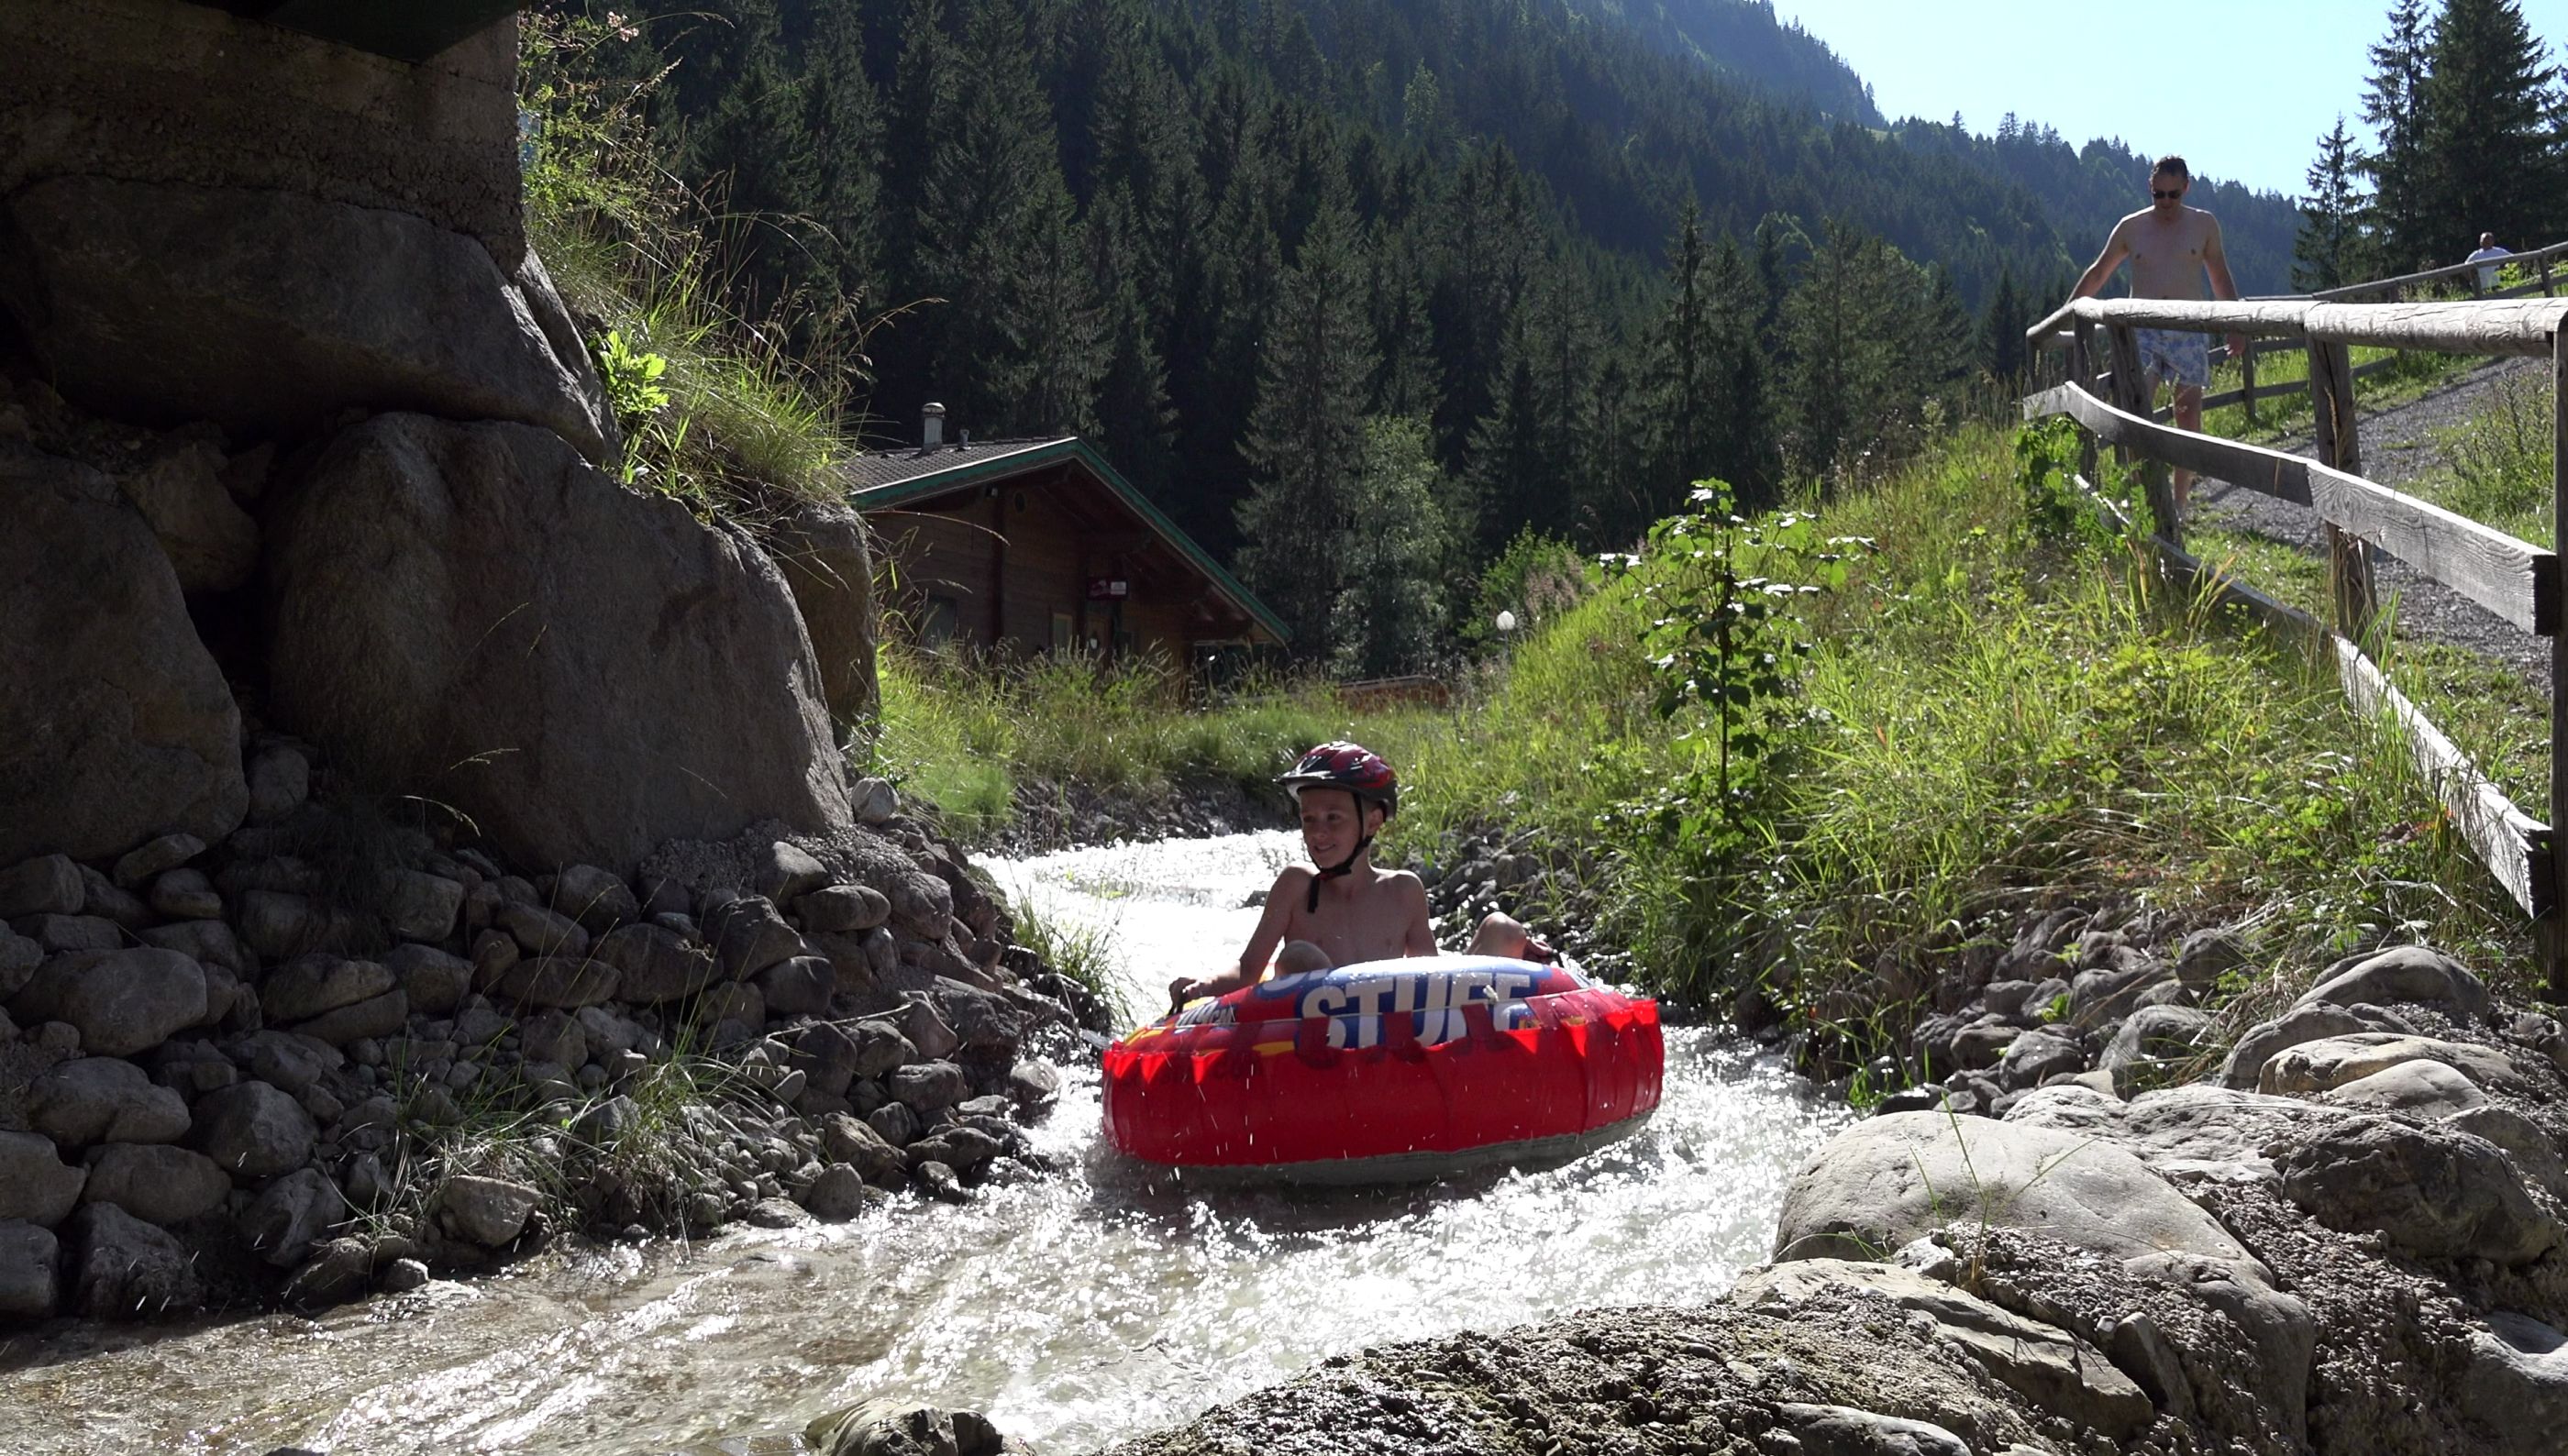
[[1074, 1309]]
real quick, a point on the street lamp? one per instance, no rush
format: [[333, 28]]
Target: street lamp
[[1506, 621]]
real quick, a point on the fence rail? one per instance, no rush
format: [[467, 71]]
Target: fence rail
[[2518, 582]]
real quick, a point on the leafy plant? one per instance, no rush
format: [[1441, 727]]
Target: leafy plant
[[632, 380], [2046, 475]]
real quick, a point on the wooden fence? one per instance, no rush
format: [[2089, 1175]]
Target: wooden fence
[[2517, 582]]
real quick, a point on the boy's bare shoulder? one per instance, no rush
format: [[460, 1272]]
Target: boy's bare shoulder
[[1295, 876]]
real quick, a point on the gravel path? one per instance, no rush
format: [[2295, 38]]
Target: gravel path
[[2398, 447]]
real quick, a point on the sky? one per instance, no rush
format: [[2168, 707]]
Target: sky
[[2242, 89]]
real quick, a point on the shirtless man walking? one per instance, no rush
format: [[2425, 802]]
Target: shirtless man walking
[[2173, 250]]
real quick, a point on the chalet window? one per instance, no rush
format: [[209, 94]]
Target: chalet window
[[936, 623]]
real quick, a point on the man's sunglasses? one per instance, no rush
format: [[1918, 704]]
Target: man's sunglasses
[[2165, 195]]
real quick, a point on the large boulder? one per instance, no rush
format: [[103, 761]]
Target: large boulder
[[471, 612], [2332, 1062], [826, 561], [289, 1214], [1891, 1179], [655, 963], [213, 543], [269, 311], [252, 1130], [491, 1211], [36, 1186], [30, 1271], [2431, 1191], [2401, 974], [117, 725]]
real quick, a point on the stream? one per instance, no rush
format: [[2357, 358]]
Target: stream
[[1074, 1309]]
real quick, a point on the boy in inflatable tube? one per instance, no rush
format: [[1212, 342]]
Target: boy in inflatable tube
[[1339, 910]]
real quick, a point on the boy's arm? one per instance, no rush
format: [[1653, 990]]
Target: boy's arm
[[1261, 944], [1420, 938]]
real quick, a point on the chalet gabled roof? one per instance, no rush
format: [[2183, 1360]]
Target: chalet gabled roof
[[887, 478]]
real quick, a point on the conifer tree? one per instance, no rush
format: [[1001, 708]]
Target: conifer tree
[[2325, 255], [1386, 621], [2489, 150], [1843, 325], [845, 121], [1305, 436], [1047, 320], [2396, 104], [1133, 417], [2002, 334]]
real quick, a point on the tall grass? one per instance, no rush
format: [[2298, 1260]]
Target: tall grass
[[752, 422]]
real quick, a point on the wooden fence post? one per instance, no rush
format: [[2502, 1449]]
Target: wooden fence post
[[2547, 290], [2551, 933], [2348, 558], [2131, 395], [2081, 368], [2247, 380]]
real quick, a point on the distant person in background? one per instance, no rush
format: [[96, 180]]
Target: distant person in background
[[2486, 258], [2173, 250]]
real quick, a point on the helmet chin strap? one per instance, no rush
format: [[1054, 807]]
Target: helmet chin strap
[[1339, 870]]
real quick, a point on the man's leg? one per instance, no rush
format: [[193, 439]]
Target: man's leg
[[2189, 416]]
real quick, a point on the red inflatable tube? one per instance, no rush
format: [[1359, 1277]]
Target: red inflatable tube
[[1388, 1070]]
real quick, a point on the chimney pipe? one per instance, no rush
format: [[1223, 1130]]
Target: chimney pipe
[[932, 432]]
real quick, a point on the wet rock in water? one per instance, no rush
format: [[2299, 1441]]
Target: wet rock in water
[[289, 1214], [2405, 974], [776, 1213], [489, 1212], [30, 1271], [938, 1181], [127, 1269], [334, 1273], [404, 1275], [155, 1182], [35, 1185], [2431, 1191], [838, 1194], [252, 1130], [879, 1161], [886, 1428], [1033, 1083], [103, 1099], [898, 1125], [959, 1148], [2266, 1038]]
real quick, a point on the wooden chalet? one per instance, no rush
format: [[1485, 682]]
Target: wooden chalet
[[1026, 546]]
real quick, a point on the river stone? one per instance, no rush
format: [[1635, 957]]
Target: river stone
[[2153, 1042], [30, 1272], [2204, 956], [926, 1031], [554, 981], [540, 931], [837, 909], [2420, 1088], [837, 1195], [598, 899], [147, 862], [489, 1212], [2302, 1023], [289, 1214], [2051, 1367], [1981, 1045], [155, 1182], [184, 894], [423, 906], [49, 884], [127, 1268], [2516, 1384], [898, 1125], [1033, 1083], [35, 1185], [876, 800], [2429, 1190], [785, 872], [2405, 974], [253, 1131], [335, 1273], [126, 1001], [799, 987], [2034, 1058], [2525, 1142], [1889, 1180], [983, 1022], [106, 899], [143, 300], [470, 611], [843, 1139], [372, 1018], [307, 986], [923, 906], [2332, 1061], [288, 1061], [748, 936], [434, 981], [281, 782], [827, 1056], [930, 1087], [2106, 994], [64, 933], [118, 726], [209, 942], [882, 1427], [103, 1099], [654, 964]]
